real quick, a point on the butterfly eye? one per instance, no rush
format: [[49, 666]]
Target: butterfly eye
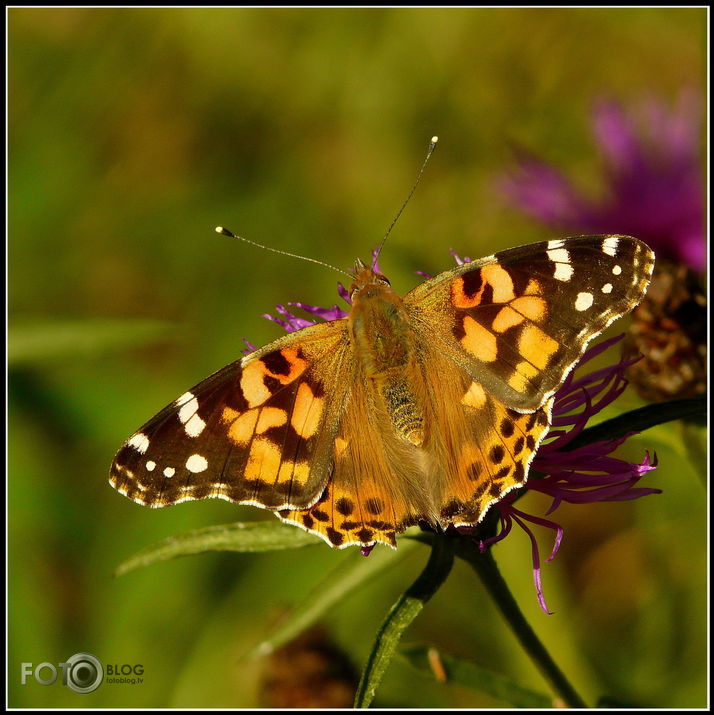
[[382, 279]]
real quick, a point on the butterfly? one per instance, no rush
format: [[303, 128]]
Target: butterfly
[[424, 408]]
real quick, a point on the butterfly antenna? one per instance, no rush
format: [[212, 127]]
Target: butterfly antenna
[[230, 234], [430, 151]]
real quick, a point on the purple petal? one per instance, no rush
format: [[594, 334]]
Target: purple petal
[[292, 322], [535, 556], [375, 261], [344, 293], [616, 135], [544, 193], [333, 313], [460, 261], [249, 347]]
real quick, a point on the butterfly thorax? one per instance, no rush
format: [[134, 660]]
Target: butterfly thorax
[[384, 344]]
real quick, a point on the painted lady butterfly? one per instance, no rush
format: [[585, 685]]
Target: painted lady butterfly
[[425, 408]]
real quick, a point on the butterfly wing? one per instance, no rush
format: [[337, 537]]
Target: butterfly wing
[[518, 321], [260, 431], [506, 330]]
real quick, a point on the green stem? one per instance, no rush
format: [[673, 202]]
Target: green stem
[[402, 613], [488, 572]]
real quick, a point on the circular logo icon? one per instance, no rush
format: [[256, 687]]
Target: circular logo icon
[[85, 673]]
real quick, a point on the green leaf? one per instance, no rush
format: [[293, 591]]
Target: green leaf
[[243, 537], [691, 409], [31, 343], [341, 582], [470, 675], [400, 616]]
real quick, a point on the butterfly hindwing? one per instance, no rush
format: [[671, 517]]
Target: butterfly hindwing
[[376, 489], [478, 448], [259, 431], [519, 320]]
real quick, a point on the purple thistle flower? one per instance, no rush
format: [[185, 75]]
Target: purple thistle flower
[[652, 176], [579, 475]]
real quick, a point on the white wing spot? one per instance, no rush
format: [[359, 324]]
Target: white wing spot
[[617, 270], [609, 246], [558, 255], [188, 410], [150, 466], [194, 426], [583, 301], [607, 288], [140, 442], [563, 272], [196, 463], [169, 472], [184, 399]]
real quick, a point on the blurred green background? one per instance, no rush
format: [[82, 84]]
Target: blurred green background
[[133, 132]]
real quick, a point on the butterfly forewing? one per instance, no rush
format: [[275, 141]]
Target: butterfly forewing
[[519, 320], [260, 431]]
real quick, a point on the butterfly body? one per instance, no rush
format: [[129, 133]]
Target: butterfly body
[[385, 344], [423, 408]]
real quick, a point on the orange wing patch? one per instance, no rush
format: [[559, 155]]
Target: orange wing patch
[[307, 411], [284, 366], [523, 375], [536, 346], [475, 396], [479, 341], [470, 290]]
